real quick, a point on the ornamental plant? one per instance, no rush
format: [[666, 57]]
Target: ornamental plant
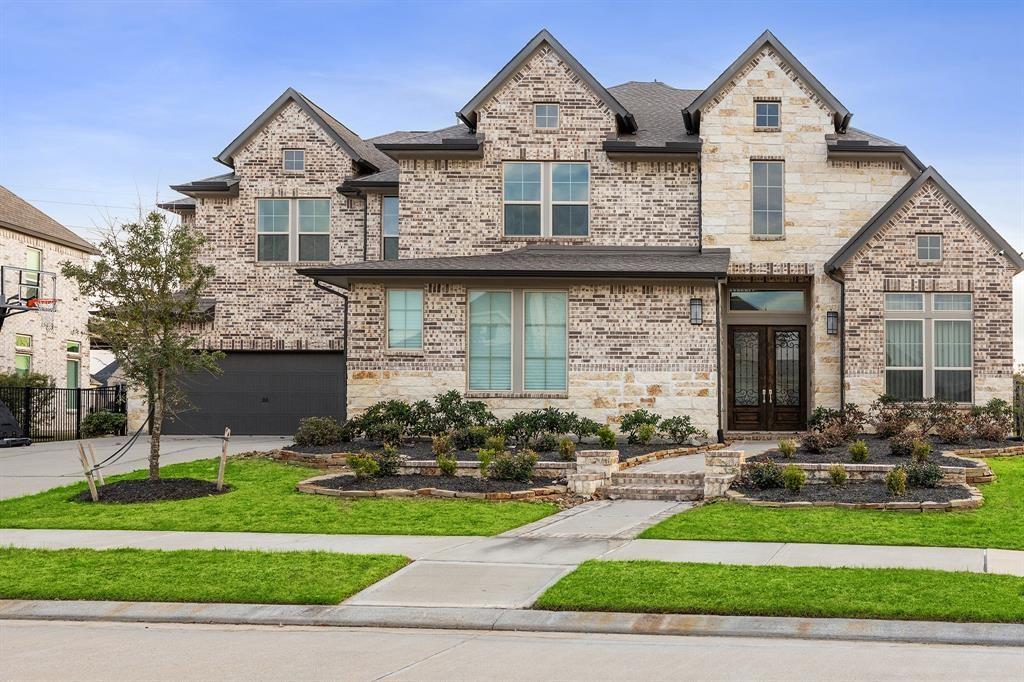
[[765, 475], [837, 475], [363, 465], [567, 449], [787, 446], [632, 421], [794, 478], [896, 481], [606, 437], [859, 452]]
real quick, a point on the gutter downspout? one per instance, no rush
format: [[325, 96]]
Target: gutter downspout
[[842, 338], [700, 214], [718, 354], [366, 229], [337, 292]]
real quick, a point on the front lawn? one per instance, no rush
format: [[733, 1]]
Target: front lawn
[[997, 524], [902, 594], [264, 500], [190, 575]]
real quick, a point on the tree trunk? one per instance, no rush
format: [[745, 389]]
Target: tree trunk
[[157, 426]]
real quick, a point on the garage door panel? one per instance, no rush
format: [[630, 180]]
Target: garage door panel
[[262, 394]]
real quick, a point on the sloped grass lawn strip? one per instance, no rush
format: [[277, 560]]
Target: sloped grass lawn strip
[[469, 484], [144, 490], [906, 594], [264, 499], [878, 452], [421, 450], [996, 524], [190, 575], [867, 491]]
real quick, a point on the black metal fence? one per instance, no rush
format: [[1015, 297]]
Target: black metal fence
[[57, 413]]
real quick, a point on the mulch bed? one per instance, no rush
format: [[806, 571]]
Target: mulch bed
[[145, 490], [466, 484], [868, 491], [878, 450], [421, 450]]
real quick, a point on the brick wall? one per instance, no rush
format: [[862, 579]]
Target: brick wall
[[888, 262]]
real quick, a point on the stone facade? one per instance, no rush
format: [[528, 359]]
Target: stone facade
[[49, 348]]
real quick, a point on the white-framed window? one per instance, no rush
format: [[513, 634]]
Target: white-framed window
[[30, 280], [74, 347], [549, 199], [929, 346], [767, 198], [490, 340], [766, 114], [22, 342], [929, 247], [405, 319], [295, 160], [389, 227], [22, 353], [545, 116], [293, 229]]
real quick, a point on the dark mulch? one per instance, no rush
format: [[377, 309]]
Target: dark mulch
[[422, 450], [878, 449], [867, 491], [145, 490], [466, 484]]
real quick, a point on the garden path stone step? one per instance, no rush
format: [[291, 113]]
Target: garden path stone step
[[669, 493]]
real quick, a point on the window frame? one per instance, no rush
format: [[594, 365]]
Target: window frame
[[546, 202], [939, 247], [30, 283], [512, 342], [384, 236], [970, 354], [522, 367], [778, 114], [387, 321], [922, 368], [536, 116], [293, 233], [299, 232], [27, 357], [285, 160], [782, 200]]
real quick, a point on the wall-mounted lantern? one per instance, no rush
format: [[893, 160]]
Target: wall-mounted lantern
[[832, 322], [696, 311]]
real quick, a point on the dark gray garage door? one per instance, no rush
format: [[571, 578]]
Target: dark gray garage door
[[262, 394]]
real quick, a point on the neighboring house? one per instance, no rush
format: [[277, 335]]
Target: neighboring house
[[31, 239], [736, 253]]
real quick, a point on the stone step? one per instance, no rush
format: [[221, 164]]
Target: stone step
[[763, 435], [668, 493], [658, 478]]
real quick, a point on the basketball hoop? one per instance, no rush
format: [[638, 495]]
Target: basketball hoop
[[46, 308]]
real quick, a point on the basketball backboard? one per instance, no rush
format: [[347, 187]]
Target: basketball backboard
[[23, 289]]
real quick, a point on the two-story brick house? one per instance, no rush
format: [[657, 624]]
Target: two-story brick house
[[737, 253]]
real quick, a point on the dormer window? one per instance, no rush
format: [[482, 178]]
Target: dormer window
[[545, 116], [295, 160], [766, 114]]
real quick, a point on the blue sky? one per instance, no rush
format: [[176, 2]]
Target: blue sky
[[106, 104]]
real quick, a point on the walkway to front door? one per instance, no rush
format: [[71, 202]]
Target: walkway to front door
[[767, 378]]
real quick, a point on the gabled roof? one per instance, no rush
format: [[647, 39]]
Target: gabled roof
[[854, 143], [879, 220], [225, 182], [361, 152], [691, 114], [20, 216], [468, 112]]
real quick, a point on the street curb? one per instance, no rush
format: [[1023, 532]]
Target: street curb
[[514, 620]]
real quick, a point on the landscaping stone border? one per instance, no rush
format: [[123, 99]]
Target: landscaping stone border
[[973, 502], [670, 452], [817, 473], [425, 467], [541, 494]]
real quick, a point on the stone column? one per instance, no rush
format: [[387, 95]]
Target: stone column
[[721, 468], [594, 469]]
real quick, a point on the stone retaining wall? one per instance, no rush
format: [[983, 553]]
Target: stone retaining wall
[[973, 502], [818, 473], [544, 493], [721, 469], [670, 452]]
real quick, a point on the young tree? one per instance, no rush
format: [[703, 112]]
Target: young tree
[[146, 285]]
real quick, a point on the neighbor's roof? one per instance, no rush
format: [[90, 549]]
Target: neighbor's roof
[[19, 215], [182, 204], [879, 220], [224, 182], [543, 261]]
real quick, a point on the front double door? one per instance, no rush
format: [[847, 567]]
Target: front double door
[[767, 378]]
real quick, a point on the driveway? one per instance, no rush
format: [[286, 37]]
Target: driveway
[[42, 466]]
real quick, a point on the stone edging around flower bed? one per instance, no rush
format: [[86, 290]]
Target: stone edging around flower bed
[[671, 452], [818, 472], [990, 452], [973, 502], [545, 493]]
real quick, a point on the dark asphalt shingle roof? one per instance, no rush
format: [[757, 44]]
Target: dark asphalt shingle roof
[[657, 108], [184, 203], [544, 261], [857, 135], [19, 215]]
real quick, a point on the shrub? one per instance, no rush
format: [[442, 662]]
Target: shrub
[[495, 443], [821, 416], [363, 465], [923, 474], [956, 428], [554, 421], [452, 413], [794, 478], [891, 417], [441, 445], [902, 444], [679, 429], [582, 427], [447, 464], [859, 452], [521, 427], [319, 431], [102, 423], [567, 449], [484, 457], [992, 421], [765, 475], [644, 433], [386, 421], [547, 442], [896, 481], [845, 424], [853, 419], [837, 475], [388, 461], [513, 466], [632, 421], [606, 437], [825, 438], [386, 433], [787, 446], [935, 412], [921, 451], [471, 437]]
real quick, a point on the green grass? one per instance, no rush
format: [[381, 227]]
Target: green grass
[[190, 575], [264, 500], [999, 523], [659, 587]]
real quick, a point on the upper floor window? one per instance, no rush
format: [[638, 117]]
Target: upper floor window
[[74, 347], [295, 160], [929, 247], [550, 199], [545, 115], [766, 114], [767, 198], [293, 229], [389, 227], [30, 280]]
